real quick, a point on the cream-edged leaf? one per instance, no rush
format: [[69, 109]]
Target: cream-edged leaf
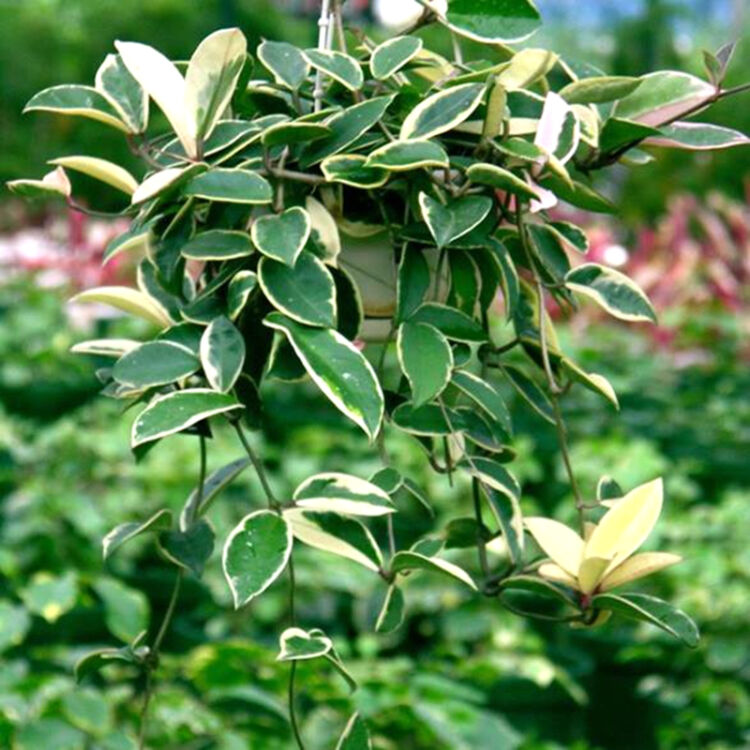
[[324, 230], [442, 111], [105, 347], [558, 541], [342, 493], [296, 644], [55, 183], [124, 93], [159, 77], [390, 56], [100, 169], [81, 101], [638, 566], [128, 300], [406, 561]]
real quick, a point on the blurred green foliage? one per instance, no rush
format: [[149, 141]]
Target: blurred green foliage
[[458, 674]]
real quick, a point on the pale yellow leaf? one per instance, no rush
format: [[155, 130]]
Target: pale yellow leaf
[[558, 541], [637, 567]]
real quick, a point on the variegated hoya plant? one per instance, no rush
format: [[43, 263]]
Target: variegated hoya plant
[[314, 212]]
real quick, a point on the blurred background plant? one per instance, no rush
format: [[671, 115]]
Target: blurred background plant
[[486, 681]]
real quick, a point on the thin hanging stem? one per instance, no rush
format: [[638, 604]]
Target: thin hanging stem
[[258, 466], [338, 24]]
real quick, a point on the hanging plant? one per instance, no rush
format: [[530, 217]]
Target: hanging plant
[[307, 202]]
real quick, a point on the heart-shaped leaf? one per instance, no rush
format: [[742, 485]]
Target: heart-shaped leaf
[[286, 62], [255, 554], [448, 223], [338, 368], [305, 292], [296, 644], [282, 236], [425, 358]]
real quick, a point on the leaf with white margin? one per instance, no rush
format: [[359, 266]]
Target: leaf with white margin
[[55, 182], [338, 65], [286, 62], [406, 561], [593, 381], [697, 136], [525, 68], [296, 644], [355, 736], [619, 295], [442, 111], [105, 347], [425, 358], [155, 363], [240, 288], [211, 78], [255, 554], [493, 21], [391, 611], [459, 217], [201, 498], [123, 533], [501, 179], [484, 395], [219, 245], [174, 412], [336, 534], [324, 229], [401, 156], [123, 92], [128, 300], [558, 132], [390, 56], [342, 493], [222, 353], [282, 236], [100, 169], [664, 96], [654, 611], [338, 368], [159, 77], [81, 101], [230, 186], [352, 169], [492, 474], [599, 89], [158, 182]]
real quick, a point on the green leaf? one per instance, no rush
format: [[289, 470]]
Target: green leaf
[[155, 363], [453, 324], [401, 156], [200, 499], [388, 479], [95, 661], [579, 195], [82, 101], [571, 235], [50, 596], [305, 292], [88, 710], [14, 624], [697, 136], [617, 133], [211, 78], [352, 169], [591, 380], [123, 533], [137, 238], [53, 184], [506, 509], [500, 179], [425, 358], [48, 734], [282, 236], [442, 111], [355, 736], [339, 369], [392, 611], [222, 354], [290, 133], [218, 244], [286, 62], [336, 534], [255, 554], [115, 82], [405, 561], [539, 586], [665, 96], [240, 288], [493, 475], [390, 56], [174, 412], [100, 169], [530, 392], [652, 610], [494, 20], [484, 395], [614, 291], [339, 66], [427, 420], [126, 610], [230, 186], [412, 284], [342, 493], [346, 127], [608, 489], [296, 644], [190, 548], [448, 223], [164, 182], [599, 89]]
